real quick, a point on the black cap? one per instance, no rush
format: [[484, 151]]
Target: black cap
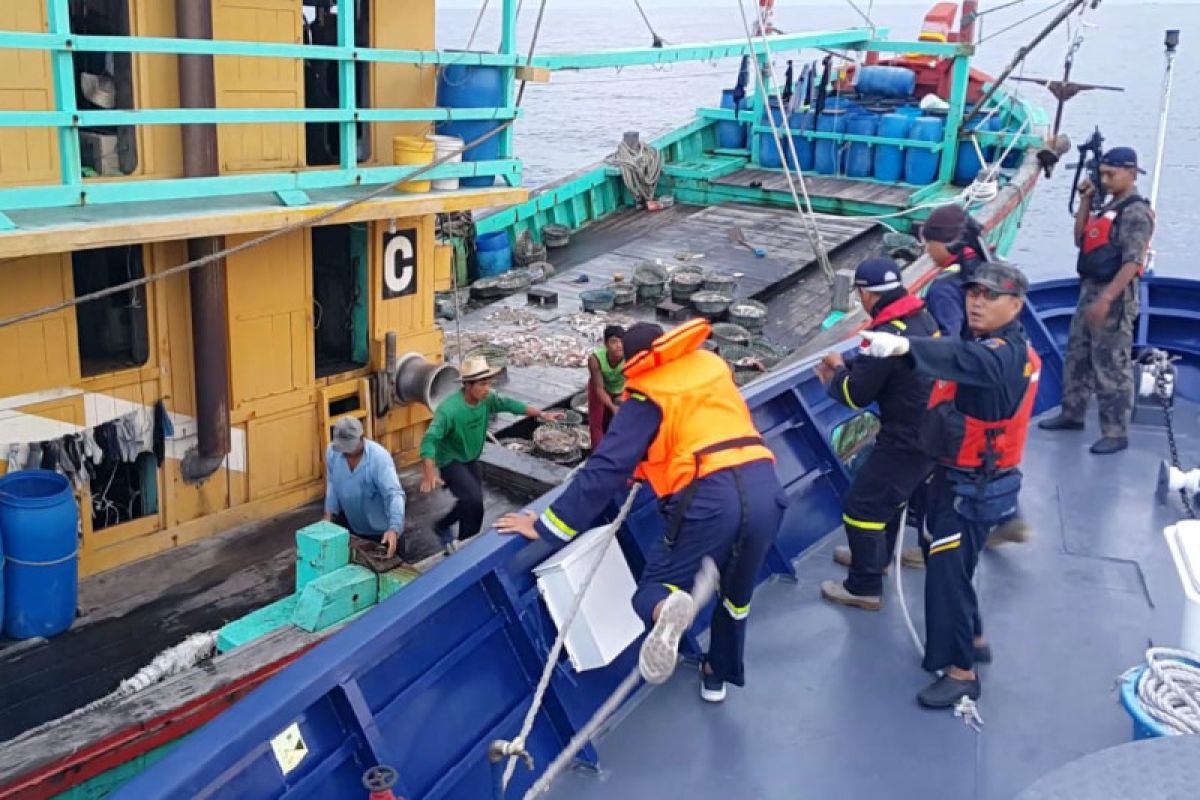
[[880, 274], [1002, 278], [1121, 157], [640, 337], [947, 224]]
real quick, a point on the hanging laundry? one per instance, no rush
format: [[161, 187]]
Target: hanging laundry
[[51, 455], [34, 461], [91, 448], [163, 430], [131, 436], [110, 444], [18, 457]]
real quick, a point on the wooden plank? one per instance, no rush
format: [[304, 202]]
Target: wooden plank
[[857, 190]]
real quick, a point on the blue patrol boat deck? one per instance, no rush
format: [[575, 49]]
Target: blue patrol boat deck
[[829, 709]]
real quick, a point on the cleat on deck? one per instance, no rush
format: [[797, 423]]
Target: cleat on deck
[[660, 650]]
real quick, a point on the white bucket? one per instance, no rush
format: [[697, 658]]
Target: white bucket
[[446, 146]]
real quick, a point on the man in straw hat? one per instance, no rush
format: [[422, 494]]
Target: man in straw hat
[[451, 448], [686, 431]]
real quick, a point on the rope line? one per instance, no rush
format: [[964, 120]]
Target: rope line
[[1169, 689], [516, 747]]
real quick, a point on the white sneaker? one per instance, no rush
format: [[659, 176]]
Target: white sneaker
[[660, 650], [711, 689]]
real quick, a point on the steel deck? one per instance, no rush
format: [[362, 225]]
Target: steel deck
[[829, 709]]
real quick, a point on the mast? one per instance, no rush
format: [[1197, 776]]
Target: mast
[[1170, 43]]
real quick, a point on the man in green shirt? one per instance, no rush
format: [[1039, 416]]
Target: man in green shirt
[[606, 382], [451, 448]]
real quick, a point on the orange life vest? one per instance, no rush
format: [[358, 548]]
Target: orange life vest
[[1100, 256], [981, 443], [706, 424]]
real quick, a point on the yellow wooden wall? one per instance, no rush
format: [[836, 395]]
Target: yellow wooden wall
[[401, 85], [27, 155]]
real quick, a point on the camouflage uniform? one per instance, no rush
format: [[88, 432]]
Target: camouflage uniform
[[1099, 360]]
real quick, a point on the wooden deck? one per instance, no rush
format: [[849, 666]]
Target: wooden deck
[[130, 614], [858, 190], [618, 244]]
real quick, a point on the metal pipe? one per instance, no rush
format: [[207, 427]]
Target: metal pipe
[[210, 318]]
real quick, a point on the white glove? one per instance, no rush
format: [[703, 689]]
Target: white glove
[[882, 345]]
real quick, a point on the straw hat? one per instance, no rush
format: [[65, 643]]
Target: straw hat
[[477, 368]]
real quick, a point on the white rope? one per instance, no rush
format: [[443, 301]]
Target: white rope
[[606, 534], [1169, 689], [805, 209], [641, 167], [707, 580]]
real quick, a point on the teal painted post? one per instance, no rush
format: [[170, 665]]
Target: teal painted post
[[320, 549], [63, 65], [348, 84], [959, 78], [508, 47]]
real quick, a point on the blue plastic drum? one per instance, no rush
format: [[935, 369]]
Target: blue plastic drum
[[39, 526]]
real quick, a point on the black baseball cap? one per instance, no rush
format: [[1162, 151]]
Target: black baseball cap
[[880, 274], [1121, 157], [1001, 278]]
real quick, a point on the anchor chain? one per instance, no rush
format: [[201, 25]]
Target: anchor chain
[[1162, 362]]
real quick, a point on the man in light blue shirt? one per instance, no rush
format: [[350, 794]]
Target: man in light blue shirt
[[362, 490]]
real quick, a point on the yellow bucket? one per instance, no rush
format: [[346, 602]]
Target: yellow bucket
[[412, 150]]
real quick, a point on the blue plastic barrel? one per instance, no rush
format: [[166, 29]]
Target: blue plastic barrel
[[768, 154], [912, 112], [886, 81], [968, 165], [889, 159], [1013, 159], [839, 102], [496, 240], [804, 147], [468, 86], [39, 525], [829, 155], [860, 159], [731, 135], [920, 165]]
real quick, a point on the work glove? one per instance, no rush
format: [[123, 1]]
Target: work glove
[[882, 345]]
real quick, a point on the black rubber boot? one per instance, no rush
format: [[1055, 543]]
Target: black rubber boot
[[1110, 444], [946, 691], [983, 654], [1061, 423]]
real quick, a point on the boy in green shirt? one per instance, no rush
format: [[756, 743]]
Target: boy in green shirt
[[451, 448], [606, 382]]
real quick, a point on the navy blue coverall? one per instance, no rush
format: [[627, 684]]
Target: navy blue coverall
[[732, 517], [897, 465], [964, 505]]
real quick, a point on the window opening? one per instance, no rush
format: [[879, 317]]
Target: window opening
[[339, 264], [322, 88], [112, 330], [104, 82], [124, 491]]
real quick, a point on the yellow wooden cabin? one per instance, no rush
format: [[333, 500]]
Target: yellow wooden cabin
[[301, 320]]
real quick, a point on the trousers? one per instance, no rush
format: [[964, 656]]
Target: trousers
[[1099, 361], [733, 518], [871, 512], [465, 482], [962, 509]]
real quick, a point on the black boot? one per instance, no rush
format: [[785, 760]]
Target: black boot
[[946, 691], [1061, 423], [1110, 444]]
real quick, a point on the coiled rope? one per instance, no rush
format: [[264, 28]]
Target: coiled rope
[[1169, 689], [640, 166]]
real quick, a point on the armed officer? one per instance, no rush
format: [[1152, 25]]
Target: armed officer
[[975, 428], [1113, 245], [686, 431], [896, 466]]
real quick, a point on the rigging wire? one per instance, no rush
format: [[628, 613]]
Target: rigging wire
[[658, 40], [478, 21], [1022, 21]]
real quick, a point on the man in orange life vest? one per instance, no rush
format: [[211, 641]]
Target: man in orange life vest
[[1112, 251], [975, 429], [686, 431], [897, 465]]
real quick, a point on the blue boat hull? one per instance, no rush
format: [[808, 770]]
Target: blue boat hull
[[429, 679]]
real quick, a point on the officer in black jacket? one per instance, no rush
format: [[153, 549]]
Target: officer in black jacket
[[976, 430], [876, 497]]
